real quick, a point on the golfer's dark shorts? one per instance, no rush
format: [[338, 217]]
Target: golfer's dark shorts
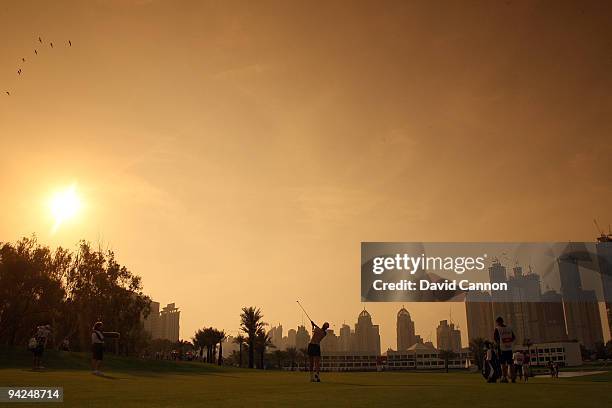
[[314, 350], [97, 351], [505, 357], [38, 351]]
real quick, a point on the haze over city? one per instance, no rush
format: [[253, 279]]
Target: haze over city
[[237, 156]]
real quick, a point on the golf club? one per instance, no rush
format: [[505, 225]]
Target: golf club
[[298, 302]]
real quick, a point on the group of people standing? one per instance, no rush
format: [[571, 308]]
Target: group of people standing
[[501, 362], [38, 343]]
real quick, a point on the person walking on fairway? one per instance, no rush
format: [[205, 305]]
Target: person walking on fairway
[[314, 350], [504, 337]]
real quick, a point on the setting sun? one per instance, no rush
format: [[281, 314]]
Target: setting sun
[[64, 205]]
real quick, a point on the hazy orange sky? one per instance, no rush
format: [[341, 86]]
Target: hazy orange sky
[[237, 153]]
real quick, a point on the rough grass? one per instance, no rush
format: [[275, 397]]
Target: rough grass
[[132, 382]]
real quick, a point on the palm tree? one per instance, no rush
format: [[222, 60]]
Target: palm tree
[[251, 323], [199, 341], [209, 338], [240, 340], [262, 342], [218, 338], [477, 347], [446, 355], [292, 355]]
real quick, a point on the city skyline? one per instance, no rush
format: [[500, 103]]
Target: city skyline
[[548, 312], [572, 313]]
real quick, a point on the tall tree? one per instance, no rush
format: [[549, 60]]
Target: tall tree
[[99, 288], [251, 323], [31, 288], [219, 336], [199, 342], [262, 342], [209, 337]]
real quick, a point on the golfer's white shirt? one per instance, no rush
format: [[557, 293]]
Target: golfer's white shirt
[[95, 339]]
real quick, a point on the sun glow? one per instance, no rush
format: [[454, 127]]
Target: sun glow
[[64, 205]]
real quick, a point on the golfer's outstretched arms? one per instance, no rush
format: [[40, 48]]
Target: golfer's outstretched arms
[[313, 324]]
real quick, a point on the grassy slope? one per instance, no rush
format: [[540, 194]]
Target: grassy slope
[[130, 382]]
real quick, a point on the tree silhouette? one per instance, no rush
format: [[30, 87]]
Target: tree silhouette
[[70, 291], [208, 338], [199, 341], [262, 342], [251, 323], [219, 336]]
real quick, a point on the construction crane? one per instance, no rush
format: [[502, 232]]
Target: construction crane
[[603, 237]]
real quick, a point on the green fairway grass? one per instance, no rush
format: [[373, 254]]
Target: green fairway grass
[[132, 382]]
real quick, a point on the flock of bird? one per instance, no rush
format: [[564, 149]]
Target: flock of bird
[[23, 60]]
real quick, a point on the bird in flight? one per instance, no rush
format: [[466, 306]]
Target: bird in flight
[[8, 93], [35, 52], [69, 43], [23, 59], [19, 71], [51, 44], [40, 40]]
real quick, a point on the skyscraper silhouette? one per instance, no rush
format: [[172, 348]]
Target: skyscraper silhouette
[[367, 336], [406, 335]]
